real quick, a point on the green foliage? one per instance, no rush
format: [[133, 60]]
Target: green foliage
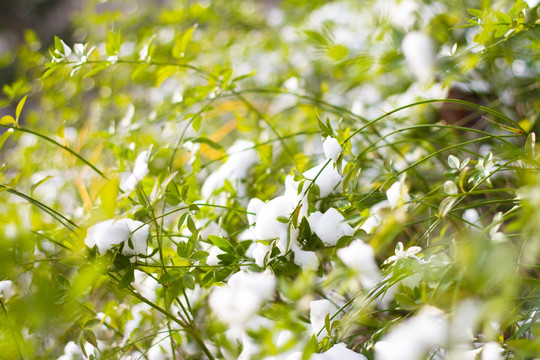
[[251, 179]]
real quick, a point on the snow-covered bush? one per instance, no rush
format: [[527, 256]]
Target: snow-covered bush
[[273, 180]]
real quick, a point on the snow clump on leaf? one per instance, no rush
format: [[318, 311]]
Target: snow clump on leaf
[[244, 294], [419, 53], [6, 289], [331, 148], [140, 170], [360, 257], [330, 226], [414, 337], [110, 233], [242, 157]]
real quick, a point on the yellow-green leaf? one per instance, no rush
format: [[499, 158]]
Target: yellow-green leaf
[[20, 106], [7, 120]]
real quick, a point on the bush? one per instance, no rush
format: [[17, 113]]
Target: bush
[[274, 180]]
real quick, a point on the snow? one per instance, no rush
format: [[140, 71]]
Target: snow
[[492, 351], [244, 294], [397, 195], [330, 226], [213, 253], [318, 311], [259, 253], [6, 289], [242, 157], [254, 206], [307, 260], [419, 53], [338, 352], [268, 227], [110, 233], [327, 180], [360, 257], [140, 170], [331, 148], [414, 337]]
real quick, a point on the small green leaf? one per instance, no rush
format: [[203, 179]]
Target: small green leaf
[[90, 337], [503, 18], [170, 276], [4, 137], [530, 145], [453, 162], [311, 348], [191, 225], [450, 188], [405, 301], [188, 280], [184, 192], [173, 291], [20, 106], [476, 12], [182, 220], [446, 205], [194, 209], [112, 46], [7, 120], [34, 186], [206, 141], [283, 219], [127, 279], [221, 243], [92, 323], [181, 44], [96, 69]]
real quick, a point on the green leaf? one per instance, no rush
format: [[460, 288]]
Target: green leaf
[[169, 276], [311, 348], [182, 220], [530, 145], [194, 209], [90, 337], [196, 122], [141, 197], [92, 323], [453, 162], [503, 18], [476, 12], [191, 225], [96, 69], [172, 195], [182, 43], [173, 291], [221, 243], [114, 41], [20, 106], [405, 301], [501, 30], [450, 188], [242, 77], [34, 186], [188, 279], [182, 250], [203, 140], [446, 205], [283, 219], [127, 279], [4, 137], [58, 45], [184, 192], [164, 73], [7, 120]]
